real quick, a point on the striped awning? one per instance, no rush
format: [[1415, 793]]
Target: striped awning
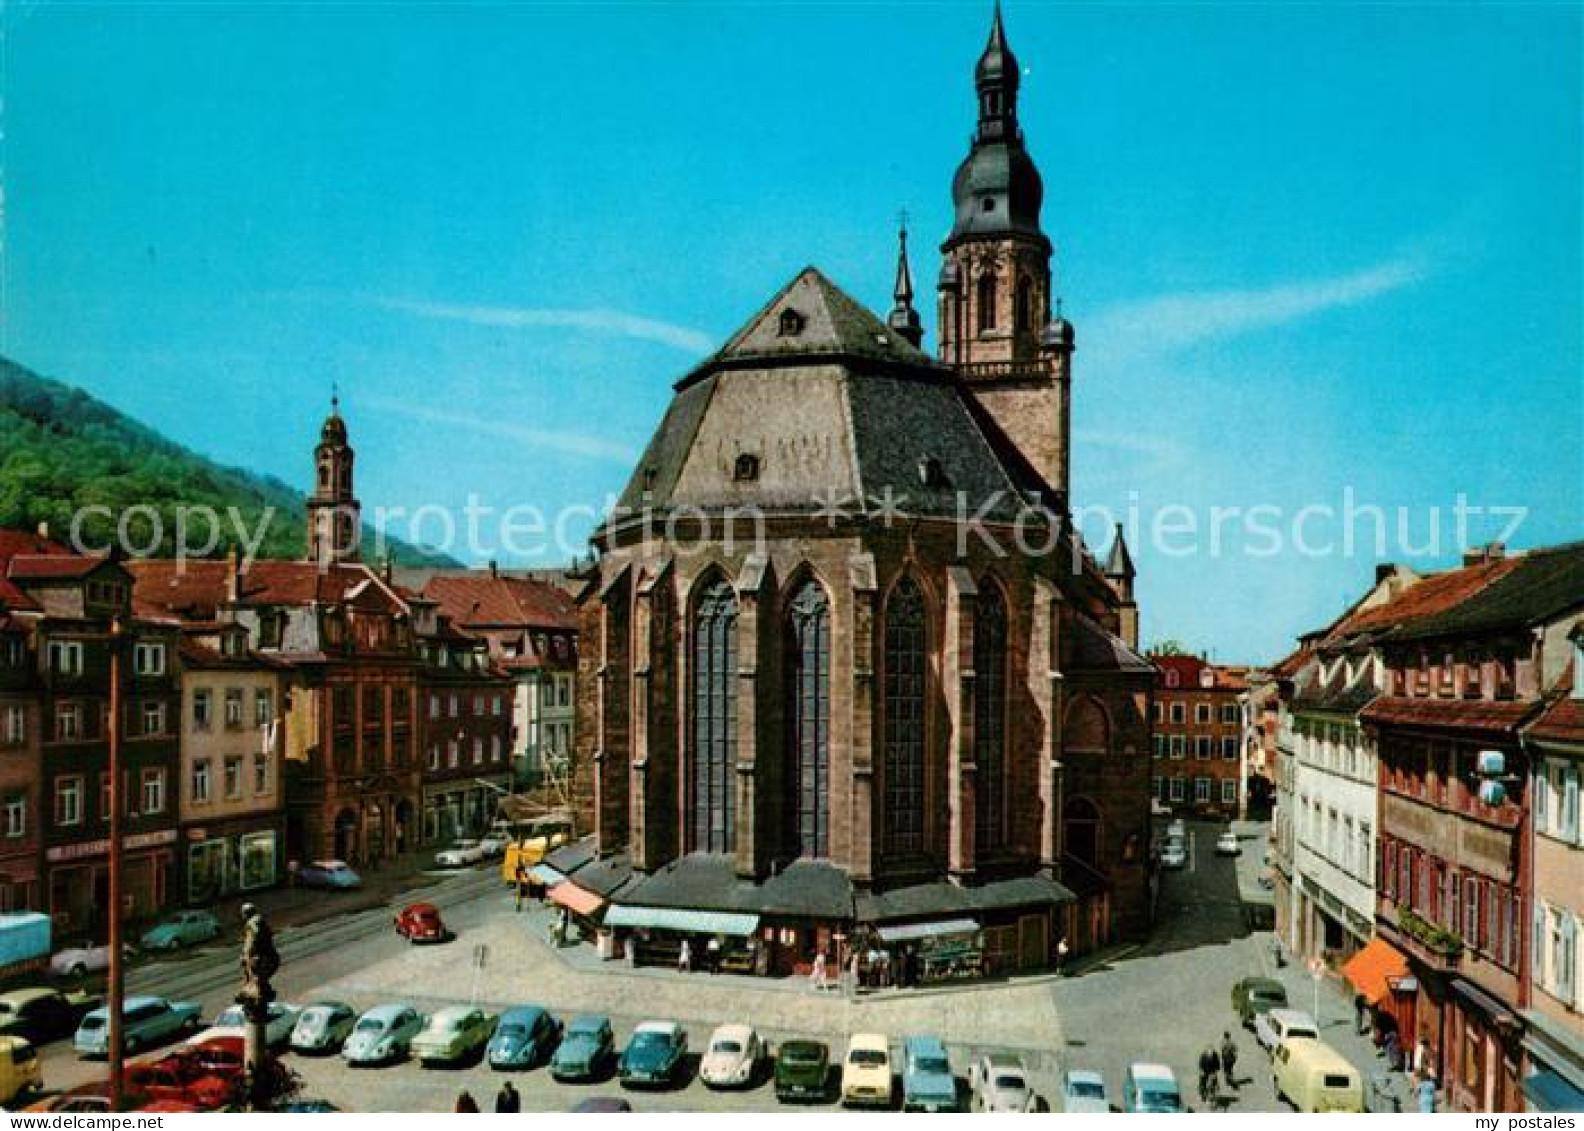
[[941, 928], [737, 924], [575, 899]]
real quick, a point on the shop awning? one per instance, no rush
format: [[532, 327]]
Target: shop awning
[[911, 932], [575, 899], [1375, 969], [544, 874], [1549, 1092], [683, 919]]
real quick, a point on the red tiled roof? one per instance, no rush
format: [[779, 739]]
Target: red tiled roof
[[477, 599], [1449, 714], [1189, 671], [1433, 594], [31, 567], [15, 542], [1563, 721], [198, 587], [1288, 666]]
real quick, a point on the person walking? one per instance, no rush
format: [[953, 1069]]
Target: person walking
[[685, 957], [507, 1100], [1361, 1014], [522, 885], [1425, 1090], [1229, 1056], [1209, 1068], [465, 1102], [818, 979]]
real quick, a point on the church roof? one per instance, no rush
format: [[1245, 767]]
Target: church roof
[[817, 402]]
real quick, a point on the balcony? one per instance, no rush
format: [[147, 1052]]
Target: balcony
[[1434, 946]]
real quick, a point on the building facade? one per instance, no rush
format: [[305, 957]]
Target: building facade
[[1198, 736], [807, 701]]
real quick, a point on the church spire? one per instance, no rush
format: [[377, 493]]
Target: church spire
[[904, 319], [334, 517]]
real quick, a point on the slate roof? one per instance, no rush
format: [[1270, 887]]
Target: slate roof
[[708, 881], [1095, 649], [843, 409], [920, 901]]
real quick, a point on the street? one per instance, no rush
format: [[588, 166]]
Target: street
[[1163, 1000]]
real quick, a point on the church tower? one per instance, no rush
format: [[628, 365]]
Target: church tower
[[334, 517], [995, 287]]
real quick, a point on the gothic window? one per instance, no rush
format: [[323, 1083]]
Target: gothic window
[[808, 719], [987, 301], [990, 662], [1025, 304], [905, 654], [710, 824]]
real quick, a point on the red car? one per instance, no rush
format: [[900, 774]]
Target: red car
[[225, 1058], [177, 1079], [420, 922]]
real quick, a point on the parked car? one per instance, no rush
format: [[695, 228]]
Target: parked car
[[1000, 1083], [146, 1021], [43, 1013], [1083, 1092], [330, 875], [654, 1055], [1174, 854], [77, 961], [175, 1080], [323, 1027], [421, 923], [1253, 996], [1227, 844], [1151, 1089], [19, 1069], [493, 844], [462, 854], [525, 1035], [91, 1097], [232, 1022], [928, 1083], [1314, 1077], [185, 928], [1177, 828], [382, 1035], [1275, 1026], [731, 1059], [587, 1046], [866, 1072], [452, 1034], [801, 1071]]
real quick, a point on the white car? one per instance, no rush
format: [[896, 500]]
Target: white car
[[1174, 854], [1083, 1092], [75, 961], [232, 1023], [1227, 844], [1276, 1026], [1000, 1083], [462, 854], [493, 845], [866, 1071], [731, 1058]]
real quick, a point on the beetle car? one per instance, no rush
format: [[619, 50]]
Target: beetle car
[[1083, 1092], [731, 1058], [232, 1022], [185, 928], [421, 923], [1000, 1083], [323, 1027], [329, 875], [525, 1035], [382, 1035]]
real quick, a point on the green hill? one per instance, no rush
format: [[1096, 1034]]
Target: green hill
[[61, 451]]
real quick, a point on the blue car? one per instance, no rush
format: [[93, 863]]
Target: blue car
[[928, 1083], [585, 1049], [146, 1021], [525, 1035], [185, 928], [654, 1055]]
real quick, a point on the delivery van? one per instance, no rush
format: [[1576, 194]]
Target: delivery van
[[1314, 1077]]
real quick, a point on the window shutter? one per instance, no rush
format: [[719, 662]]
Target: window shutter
[[1537, 946], [1567, 961], [1570, 803]]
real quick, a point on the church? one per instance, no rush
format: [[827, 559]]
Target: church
[[851, 687]]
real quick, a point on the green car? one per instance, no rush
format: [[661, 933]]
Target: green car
[[1254, 996], [452, 1034], [185, 928], [801, 1069]]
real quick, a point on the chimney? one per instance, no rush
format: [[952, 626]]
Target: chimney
[[233, 576], [1383, 570], [1479, 555]]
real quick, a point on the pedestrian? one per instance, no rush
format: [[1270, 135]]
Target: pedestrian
[[630, 952], [465, 1102], [712, 954], [1426, 1091], [1061, 956], [817, 978], [1229, 1055], [685, 957], [507, 1101], [1394, 1056], [1421, 1058], [522, 885], [1360, 1014], [1209, 1068]]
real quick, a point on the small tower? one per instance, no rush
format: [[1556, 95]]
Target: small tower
[[334, 517], [995, 283], [903, 318], [1120, 573]]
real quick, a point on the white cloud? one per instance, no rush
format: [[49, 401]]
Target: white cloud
[[1175, 321], [568, 443], [596, 321]]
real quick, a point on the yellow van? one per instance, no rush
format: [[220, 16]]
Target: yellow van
[[528, 852], [1314, 1077], [19, 1068]]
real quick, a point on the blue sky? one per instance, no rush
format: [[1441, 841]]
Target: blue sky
[[1307, 248]]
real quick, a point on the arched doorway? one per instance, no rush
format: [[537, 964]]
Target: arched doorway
[[346, 837]]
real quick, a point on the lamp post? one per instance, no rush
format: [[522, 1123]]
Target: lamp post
[[116, 990]]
